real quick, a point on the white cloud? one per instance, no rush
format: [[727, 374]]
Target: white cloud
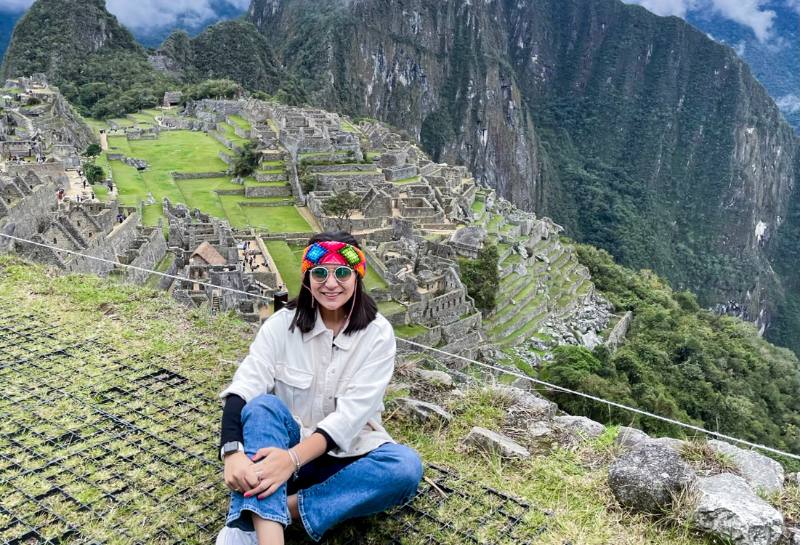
[[789, 104], [14, 6], [749, 13], [151, 14], [666, 7], [794, 4], [740, 48]]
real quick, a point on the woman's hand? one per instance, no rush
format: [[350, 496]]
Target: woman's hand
[[238, 476], [275, 469]]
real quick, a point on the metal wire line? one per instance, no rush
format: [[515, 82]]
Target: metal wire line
[[547, 385]]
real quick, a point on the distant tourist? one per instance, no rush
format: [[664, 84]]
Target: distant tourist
[[284, 442]]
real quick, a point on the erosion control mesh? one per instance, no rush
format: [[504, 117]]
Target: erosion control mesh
[[99, 448]]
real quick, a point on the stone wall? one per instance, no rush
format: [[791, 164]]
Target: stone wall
[[198, 175], [267, 191], [149, 255], [263, 177], [27, 213]]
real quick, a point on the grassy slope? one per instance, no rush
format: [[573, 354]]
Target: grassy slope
[[569, 484]]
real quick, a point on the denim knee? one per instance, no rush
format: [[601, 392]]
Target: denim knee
[[265, 404], [404, 469]]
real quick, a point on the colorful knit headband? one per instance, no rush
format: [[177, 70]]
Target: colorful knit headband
[[334, 253]]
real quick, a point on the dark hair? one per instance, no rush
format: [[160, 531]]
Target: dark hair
[[305, 315]]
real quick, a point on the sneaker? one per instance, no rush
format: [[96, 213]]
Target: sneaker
[[235, 536]]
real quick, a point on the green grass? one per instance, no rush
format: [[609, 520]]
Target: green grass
[[100, 191], [241, 122], [374, 281], [186, 151], [230, 133], [162, 267], [387, 308], [410, 331], [288, 260], [348, 127], [404, 181]]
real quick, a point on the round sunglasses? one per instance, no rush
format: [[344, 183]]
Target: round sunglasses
[[342, 274]]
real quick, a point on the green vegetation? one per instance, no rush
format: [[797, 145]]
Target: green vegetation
[[341, 206], [188, 151], [682, 362], [94, 173], [409, 331], [288, 260], [247, 160], [481, 278]]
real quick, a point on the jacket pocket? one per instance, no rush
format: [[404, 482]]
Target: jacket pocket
[[293, 386]]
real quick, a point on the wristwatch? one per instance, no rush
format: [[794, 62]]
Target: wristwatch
[[229, 448]]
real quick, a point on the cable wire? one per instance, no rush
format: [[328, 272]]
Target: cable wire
[[533, 380]]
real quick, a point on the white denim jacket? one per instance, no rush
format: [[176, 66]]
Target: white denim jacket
[[336, 384]]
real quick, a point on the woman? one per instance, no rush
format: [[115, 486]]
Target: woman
[[301, 431]]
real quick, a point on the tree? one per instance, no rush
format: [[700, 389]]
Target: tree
[[247, 161], [341, 206], [93, 150], [94, 174], [481, 278]]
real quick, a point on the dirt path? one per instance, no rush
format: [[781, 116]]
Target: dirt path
[[103, 141]]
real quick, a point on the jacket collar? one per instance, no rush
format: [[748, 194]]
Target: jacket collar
[[342, 341]]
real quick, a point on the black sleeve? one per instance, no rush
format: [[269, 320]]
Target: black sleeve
[[331, 443], [232, 423], [232, 420]]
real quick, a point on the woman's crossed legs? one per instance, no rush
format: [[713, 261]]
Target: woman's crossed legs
[[328, 490]]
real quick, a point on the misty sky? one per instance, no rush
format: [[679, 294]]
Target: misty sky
[[146, 15], [149, 15]]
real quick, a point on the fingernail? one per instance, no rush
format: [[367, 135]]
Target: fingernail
[[247, 494]]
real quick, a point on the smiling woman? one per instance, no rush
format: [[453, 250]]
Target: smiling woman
[[304, 409]]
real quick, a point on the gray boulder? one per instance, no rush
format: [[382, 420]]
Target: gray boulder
[[490, 441], [630, 438], [537, 408], [439, 379], [423, 412], [792, 479], [584, 427], [728, 507], [647, 478], [759, 471], [673, 444]]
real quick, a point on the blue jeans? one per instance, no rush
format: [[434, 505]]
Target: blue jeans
[[329, 489]]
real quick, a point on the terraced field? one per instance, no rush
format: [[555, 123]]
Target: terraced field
[[552, 284], [264, 201]]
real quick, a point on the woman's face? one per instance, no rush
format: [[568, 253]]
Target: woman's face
[[332, 294]]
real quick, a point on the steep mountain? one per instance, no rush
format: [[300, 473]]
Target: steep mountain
[[638, 133], [86, 52], [775, 61], [229, 49]]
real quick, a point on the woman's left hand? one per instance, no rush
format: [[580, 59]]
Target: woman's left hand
[[275, 469]]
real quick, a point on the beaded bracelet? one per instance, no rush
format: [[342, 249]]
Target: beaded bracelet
[[296, 460]]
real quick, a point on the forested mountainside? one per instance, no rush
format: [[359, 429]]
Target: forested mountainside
[[83, 49], [638, 133], [230, 49]]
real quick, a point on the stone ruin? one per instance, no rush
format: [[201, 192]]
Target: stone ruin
[[207, 251]]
